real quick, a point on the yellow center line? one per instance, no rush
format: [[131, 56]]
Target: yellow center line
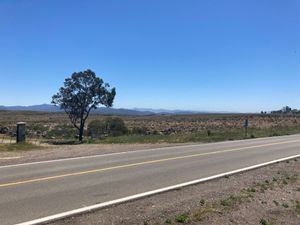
[[139, 164]]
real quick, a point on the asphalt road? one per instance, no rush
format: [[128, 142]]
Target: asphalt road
[[37, 190]]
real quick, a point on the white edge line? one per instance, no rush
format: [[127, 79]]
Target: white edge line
[[145, 194], [13, 157], [143, 150]]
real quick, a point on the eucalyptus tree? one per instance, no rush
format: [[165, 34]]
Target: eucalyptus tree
[[82, 93]]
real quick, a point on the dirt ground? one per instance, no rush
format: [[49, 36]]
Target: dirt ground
[[268, 195], [66, 151]]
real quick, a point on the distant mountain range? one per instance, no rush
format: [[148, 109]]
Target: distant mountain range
[[103, 110], [168, 111]]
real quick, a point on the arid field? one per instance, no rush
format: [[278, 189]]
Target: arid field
[[157, 128]]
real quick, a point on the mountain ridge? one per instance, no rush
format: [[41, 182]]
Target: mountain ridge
[[53, 108], [104, 110]]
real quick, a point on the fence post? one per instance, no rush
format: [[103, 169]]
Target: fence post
[[246, 124], [21, 126]]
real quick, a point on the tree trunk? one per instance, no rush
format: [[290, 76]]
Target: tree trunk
[[81, 129]]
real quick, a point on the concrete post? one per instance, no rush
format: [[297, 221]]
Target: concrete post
[[21, 126]]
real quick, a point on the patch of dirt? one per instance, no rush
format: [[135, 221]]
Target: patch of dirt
[[67, 151], [268, 195]]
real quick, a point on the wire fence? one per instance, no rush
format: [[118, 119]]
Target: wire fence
[[40, 135], [9, 136]]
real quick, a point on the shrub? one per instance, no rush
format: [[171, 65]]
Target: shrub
[[97, 129], [208, 132], [276, 203], [116, 126], [202, 202], [264, 222], [168, 221], [139, 130], [183, 218], [110, 126], [298, 208]]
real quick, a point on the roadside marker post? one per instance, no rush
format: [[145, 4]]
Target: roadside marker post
[[21, 127], [246, 124]]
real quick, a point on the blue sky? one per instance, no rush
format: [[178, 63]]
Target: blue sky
[[219, 55]]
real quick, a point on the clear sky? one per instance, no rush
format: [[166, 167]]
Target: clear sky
[[220, 55]]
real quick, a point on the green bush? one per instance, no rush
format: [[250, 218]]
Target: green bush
[[183, 218], [97, 129], [109, 127], [116, 126], [208, 132], [139, 130], [264, 222]]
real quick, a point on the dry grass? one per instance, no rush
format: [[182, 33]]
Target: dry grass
[[163, 129], [19, 147]]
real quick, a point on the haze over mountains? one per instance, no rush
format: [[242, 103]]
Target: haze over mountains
[[103, 110]]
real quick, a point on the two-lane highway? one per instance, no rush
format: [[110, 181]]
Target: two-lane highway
[[36, 190]]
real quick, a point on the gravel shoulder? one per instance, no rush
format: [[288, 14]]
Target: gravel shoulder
[[51, 152], [268, 195]]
